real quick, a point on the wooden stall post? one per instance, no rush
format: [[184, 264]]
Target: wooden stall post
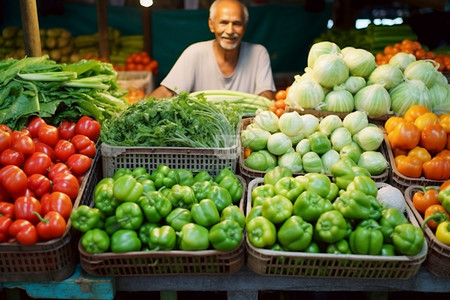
[[102, 23], [147, 30], [30, 27]]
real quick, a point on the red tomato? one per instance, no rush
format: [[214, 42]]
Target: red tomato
[[66, 130], [16, 134], [24, 232], [39, 184], [5, 140], [34, 125], [5, 223], [89, 127], [64, 149], [66, 183], [52, 226], [57, 201], [4, 195], [79, 163], [48, 134], [37, 163], [25, 206], [84, 145], [24, 144], [44, 148], [14, 180], [12, 157], [5, 128], [433, 138], [58, 168]]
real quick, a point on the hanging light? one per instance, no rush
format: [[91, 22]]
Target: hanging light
[[146, 3]]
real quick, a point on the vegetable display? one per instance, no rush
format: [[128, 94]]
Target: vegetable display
[[350, 220], [137, 210], [40, 179]]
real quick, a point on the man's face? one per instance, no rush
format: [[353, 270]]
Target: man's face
[[228, 25]]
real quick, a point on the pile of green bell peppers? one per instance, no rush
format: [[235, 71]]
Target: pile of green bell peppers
[[162, 210], [313, 213]]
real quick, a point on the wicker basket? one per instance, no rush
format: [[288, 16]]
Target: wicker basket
[[138, 80], [175, 262], [403, 182], [52, 260], [250, 174], [438, 257], [302, 264]]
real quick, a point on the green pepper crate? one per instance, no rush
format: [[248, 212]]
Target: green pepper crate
[[250, 174], [438, 257], [208, 159], [401, 181], [159, 263], [324, 265], [53, 260]]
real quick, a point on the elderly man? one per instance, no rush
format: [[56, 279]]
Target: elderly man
[[225, 63]]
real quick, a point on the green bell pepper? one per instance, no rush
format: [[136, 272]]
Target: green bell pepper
[[234, 186], [319, 142], [390, 217], [261, 193], [234, 213], [289, 187], [104, 196], [120, 172], [112, 225], [375, 208], [155, 206], [353, 204], [310, 206], [312, 163], [333, 193], [194, 237], [185, 177], [387, 250], [331, 226], [277, 209], [85, 218], [202, 188], [313, 247], [275, 174], [444, 198], [256, 211], [261, 232], [127, 188], [179, 217], [220, 196], [257, 161], [319, 184], [342, 172], [222, 174], [162, 238], [147, 184], [225, 235], [129, 215], [182, 196], [339, 247], [352, 151], [408, 239], [295, 234], [125, 240], [95, 241], [140, 173], [366, 238], [363, 184], [202, 176], [205, 213], [164, 176], [145, 230]]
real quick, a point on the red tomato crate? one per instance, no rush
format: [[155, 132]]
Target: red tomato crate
[[438, 257], [324, 265], [53, 260]]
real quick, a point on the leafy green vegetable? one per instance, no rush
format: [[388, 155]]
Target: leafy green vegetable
[[181, 121]]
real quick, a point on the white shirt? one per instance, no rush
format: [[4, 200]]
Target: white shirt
[[196, 70]]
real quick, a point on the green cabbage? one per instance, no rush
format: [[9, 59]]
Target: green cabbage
[[360, 62], [254, 138], [329, 123], [291, 160], [266, 120], [355, 121], [328, 160], [373, 161], [402, 60], [374, 100], [407, 94], [369, 138], [338, 101], [330, 70], [340, 138], [304, 93], [354, 83], [290, 123], [422, 70], [319, 49], [279, 143], [387, 75], [303, 146]]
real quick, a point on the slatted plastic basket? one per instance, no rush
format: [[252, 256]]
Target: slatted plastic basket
[[53, 260], [438, 257], [250, 174], [175, 262], [324, 265]]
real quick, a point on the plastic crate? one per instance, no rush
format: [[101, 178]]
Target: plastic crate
[[401, 181], [250, 174], [175, 262], [139, 80], [324, 265], [53, 260], [438, 257], [209, 159]]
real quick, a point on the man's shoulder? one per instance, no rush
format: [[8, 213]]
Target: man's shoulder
[[198, 47], [253, 46]]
